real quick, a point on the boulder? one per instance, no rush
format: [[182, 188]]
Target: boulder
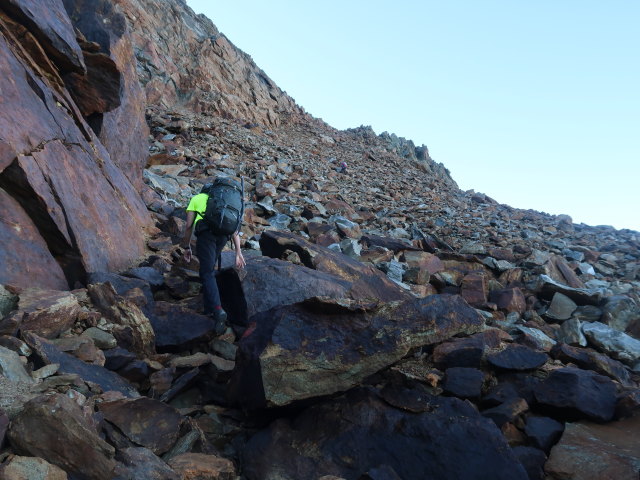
[[30, 468], [406, 432], [199, 465], [145, 422], [322, 346], [368, 283], [620, 312], [12, 368], [517, 357], [47, 313], [613, 342], [266, 283], [509, 300], [140, 463], [580, 393], [47, 353], [134, 331], [463, 382], [590, 451], [589, 359], [55, 428], [561, 308], [177, 328], [469, 351], [543, 432]]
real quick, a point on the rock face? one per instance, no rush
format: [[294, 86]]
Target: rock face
[[58, 182], [184, 61]]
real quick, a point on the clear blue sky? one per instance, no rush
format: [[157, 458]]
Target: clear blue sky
[[534, 103]]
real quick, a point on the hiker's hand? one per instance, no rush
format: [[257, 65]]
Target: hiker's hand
[[240, 263], [187, 255]]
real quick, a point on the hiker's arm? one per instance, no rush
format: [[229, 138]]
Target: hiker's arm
[[188, 232], [240, 263]]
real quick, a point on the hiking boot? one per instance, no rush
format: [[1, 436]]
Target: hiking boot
[[220, 317]]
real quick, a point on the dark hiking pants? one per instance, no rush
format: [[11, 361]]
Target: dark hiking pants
[[207, 247]]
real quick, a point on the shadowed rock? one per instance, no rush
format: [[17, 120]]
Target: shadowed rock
[[48, 353], [266, 283], [51, 26], [55, 428], [178, 328], [145, 422], [141, 463], [321, 347], [517, 357], [368, 283], [442, 436], [580, 392]]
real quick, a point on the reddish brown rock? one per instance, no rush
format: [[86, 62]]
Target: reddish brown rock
[[198, 466], [55, 428], [367, 281], [51, 27], [190, 63], [146, 422], [30, 468], [24, 255], [589, 451], [509, 300], [475, 289], [48, 313]]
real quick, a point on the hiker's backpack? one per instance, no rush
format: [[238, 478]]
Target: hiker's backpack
[[225, 206]]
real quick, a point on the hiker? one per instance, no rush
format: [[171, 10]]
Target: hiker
[[210, 243], [342, 168]]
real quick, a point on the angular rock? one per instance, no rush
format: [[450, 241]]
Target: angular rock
[[145, 422], [319, 348], [367, 282], [561, 308], [30, 468], [548, 286], [589, 451], [8, 302], [620, 312], [141, 463], [12, 368], [579, 392], [15, 344], [54, 427], [102, 339], [121, 284], [589, 359], [475, 289], [178, 328], [445, 434], [200, 465], [266, 283], [517, 357], [463, 382], [543, 432], [135, 332], [532, 460], [571, 333], [47, 353], [466, 352], [509, 300], [617, 344], [507, 412], [47, 313]]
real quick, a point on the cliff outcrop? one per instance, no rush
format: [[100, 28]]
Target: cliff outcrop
[[67, 179], [185, 62]]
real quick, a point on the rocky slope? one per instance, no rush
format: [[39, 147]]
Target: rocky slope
[[387, 325]]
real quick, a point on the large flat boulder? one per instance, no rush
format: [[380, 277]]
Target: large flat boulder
[[321, 346], [406, 434], [47, 313], [368, 283], [266, 283]]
